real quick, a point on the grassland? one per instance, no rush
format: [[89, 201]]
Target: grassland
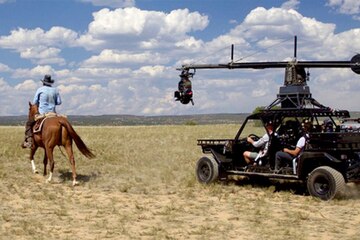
[[141, 185]]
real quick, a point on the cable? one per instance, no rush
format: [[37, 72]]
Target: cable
[[262, 50], [200, 59]]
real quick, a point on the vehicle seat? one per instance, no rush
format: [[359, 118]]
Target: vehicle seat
[[294, 163]]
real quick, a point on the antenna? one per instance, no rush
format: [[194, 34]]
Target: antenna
[[232, 53], [295, 46]]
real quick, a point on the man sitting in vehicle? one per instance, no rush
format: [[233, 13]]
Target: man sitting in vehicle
[[287, 155], [263, 143]]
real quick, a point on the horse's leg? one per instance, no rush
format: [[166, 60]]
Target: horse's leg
[[45, 161], [50, 157], [70, 153], [32, 153]]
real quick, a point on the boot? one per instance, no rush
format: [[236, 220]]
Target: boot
[[28, 142]]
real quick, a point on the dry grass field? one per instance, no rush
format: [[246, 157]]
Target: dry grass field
[[142, 185]]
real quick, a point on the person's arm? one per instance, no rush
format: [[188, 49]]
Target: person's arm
[[260, 142], [36, 97], [58, 98], [294, 152], [299, 145]]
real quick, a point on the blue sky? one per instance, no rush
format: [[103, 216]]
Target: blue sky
[[120, 56]]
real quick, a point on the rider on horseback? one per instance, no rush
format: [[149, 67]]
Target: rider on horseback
[[46, 97]]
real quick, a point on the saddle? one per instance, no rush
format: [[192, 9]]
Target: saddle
[[40, 119]]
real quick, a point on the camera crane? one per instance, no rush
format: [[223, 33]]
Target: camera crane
[[294, 94]]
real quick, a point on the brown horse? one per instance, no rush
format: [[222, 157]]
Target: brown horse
[[56, 131]]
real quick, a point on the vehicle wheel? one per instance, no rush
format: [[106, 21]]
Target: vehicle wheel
[[325, 183], [207, 170]]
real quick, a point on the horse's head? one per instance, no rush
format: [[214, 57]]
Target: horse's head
[[33, 110]]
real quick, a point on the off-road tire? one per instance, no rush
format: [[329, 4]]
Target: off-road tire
[[207, 170], [325, 183]]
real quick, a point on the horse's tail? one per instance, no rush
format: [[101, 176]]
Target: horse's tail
[[78, 141]]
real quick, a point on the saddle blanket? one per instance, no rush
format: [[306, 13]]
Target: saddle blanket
[[40, 118]]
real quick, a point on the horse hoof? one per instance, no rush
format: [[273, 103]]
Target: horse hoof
[[36, 172], [75, 183]]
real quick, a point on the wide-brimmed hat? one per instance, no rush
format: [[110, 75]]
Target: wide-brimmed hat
[[48, 80]]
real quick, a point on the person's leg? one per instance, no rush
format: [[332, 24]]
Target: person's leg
[[28, 142], [249, 156], [280, 155]]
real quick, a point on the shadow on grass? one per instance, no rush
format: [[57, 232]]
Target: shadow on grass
[[295, 187], [66, 175], [352, 190]]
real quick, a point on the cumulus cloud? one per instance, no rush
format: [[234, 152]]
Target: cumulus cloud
[[27, 85], [283, 23], [132, 55], [43, 55], [110, 3], [140, 28], [22, 38], [4, 68], [291, 4], [152, 71], [109, 57], [346, 6], [263, 31], [42, 47], [37, 72], [4, 86]]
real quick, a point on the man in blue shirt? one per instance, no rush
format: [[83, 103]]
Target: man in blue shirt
[[46, 97]]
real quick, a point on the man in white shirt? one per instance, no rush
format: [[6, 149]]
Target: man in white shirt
[[263, 143], [287, 155]]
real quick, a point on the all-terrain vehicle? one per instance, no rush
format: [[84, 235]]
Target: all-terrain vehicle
[[330, 159], [331, 156]]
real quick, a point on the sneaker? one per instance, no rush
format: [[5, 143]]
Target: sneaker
[[277, 171]]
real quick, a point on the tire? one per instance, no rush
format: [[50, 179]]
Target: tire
[[325, 183], [207, 170]]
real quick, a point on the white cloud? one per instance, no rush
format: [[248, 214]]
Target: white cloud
[[36, 72], [130, 68], [4, 86], [100, 73], [140, 28], [181, 21], [111, 3], [42, 55], [152, 71], [281, 23], [290, 4], [42, 47], [23, 38], [191, 44], [4, 68], [263, 31], [111, 57], [346, 6], [27, 85]]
